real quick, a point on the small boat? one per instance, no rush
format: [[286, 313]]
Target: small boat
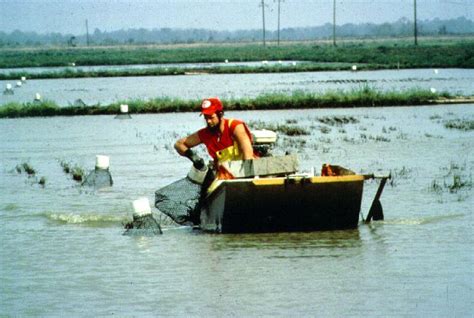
[[295, 202], [270, 195]]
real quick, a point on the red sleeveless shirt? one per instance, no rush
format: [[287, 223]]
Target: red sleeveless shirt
[[221, 146]]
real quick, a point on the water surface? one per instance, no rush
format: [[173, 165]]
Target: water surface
[[63, 250], [108, 90]]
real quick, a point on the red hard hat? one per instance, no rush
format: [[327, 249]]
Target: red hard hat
[[211, 106]]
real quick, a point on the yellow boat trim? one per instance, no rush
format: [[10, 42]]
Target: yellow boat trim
[[214, 185], [269, 181], [350, 178], [280, 181]]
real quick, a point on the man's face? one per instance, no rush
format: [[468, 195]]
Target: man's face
[[212, 121]]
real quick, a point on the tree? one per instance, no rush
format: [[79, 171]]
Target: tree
[[72, 41]]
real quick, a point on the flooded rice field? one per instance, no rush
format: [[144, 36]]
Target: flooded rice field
[[54, 69], [104, 91], [63, 250]]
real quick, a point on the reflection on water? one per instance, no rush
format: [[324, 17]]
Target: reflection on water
[[283, 241]]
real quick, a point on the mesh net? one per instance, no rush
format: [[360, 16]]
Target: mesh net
[[180, 201], [143, 225], [98, 178]]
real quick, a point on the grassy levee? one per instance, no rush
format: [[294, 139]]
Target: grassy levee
[[364, 97], [386, 54], [161, 71]]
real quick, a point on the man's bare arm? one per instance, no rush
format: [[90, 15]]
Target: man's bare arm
[[243, 140], [186, 143]]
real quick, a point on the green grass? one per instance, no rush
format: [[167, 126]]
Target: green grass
[[289, 129], [164, 71], [381, 55], [33, 109], [363, 97]]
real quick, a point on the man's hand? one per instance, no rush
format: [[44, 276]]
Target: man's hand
[[198, 162]]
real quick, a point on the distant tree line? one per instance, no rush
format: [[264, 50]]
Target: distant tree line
[[402, 27]]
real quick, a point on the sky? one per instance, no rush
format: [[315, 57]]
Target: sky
[[69, 16]]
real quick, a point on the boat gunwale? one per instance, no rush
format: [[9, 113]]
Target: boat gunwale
[[272, 181], [299, 179]]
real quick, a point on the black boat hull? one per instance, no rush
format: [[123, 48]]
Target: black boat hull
[[283, 204]]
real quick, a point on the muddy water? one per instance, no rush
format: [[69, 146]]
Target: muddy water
[[107, 90], [63, 250]]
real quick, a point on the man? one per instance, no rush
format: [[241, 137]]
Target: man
[[225, 139]]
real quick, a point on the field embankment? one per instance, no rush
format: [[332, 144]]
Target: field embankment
[[384, 55], [164, 71], [365, 97]]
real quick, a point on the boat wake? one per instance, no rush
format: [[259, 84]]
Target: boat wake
[[100, 220], [422, 220], [93, 220]]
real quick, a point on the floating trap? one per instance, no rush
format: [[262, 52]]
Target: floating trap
[[143, 221]]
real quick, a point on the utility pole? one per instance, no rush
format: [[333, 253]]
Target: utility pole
[[278, 22], [414, 25], [334, 23], [263, 19], [87, 32]]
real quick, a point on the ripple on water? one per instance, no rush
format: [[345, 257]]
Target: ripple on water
[[11, 207], [93, 220]]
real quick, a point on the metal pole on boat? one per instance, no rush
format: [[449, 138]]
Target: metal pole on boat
[[376, 210]]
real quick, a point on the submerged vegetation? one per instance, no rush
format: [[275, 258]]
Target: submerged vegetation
[[42, 181], [76, 171], [461, 124], [455, 179], [66, 167], [338, 120], [452, 184], [27, 168], [363, 97], [31, 173]]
